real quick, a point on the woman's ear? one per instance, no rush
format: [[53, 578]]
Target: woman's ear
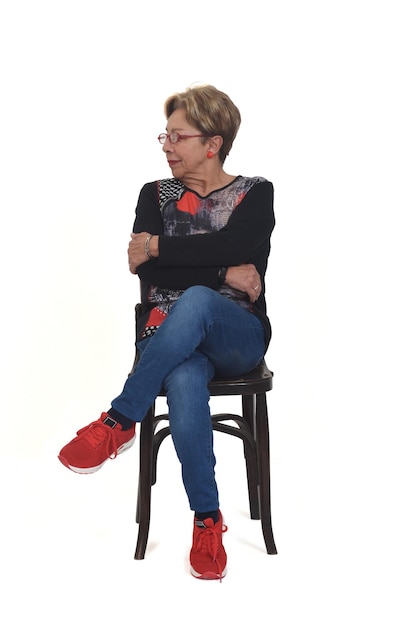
[[214, 144]]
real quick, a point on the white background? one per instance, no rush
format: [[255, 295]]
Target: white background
[[327, 92]]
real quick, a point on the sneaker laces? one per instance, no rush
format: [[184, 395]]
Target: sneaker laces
[[208, 539], [97, 434]]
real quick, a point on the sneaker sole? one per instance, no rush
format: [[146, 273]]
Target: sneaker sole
[[91, 470], [207, 575]]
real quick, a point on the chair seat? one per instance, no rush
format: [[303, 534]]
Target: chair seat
[[259, 380]]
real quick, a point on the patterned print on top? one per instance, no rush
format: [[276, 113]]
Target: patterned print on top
[[184, 212]]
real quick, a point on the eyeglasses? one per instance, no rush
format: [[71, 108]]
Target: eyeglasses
[[174, 137]]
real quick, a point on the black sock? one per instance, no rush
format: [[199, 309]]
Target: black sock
[[124, 422], [213, 514]]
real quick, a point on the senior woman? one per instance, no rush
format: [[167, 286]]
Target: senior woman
[[200, 244]]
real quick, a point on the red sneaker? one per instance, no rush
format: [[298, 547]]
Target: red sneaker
[[207, 556], [96, 443]]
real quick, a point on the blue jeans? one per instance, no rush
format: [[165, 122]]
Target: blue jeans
[[204, 334]]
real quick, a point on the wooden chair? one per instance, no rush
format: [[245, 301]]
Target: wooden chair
[[251, 426]]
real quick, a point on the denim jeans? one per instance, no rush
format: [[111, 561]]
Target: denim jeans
[[204, 334]]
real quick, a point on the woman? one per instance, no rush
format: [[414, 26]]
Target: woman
[[200, 244]]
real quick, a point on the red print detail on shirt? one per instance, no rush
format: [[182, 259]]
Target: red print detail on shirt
[[189, 203]]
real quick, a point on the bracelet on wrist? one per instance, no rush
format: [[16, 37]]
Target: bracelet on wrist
[[147, 251]]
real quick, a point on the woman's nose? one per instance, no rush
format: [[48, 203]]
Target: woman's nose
[[167, 146]]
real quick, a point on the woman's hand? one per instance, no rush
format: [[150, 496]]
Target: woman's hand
[[244, 278], [137, 249]]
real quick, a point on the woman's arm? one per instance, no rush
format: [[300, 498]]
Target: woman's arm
[[248, 229], [149, 221], [247, 232]]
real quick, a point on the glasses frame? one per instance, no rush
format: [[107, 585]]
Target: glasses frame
[[162, 137]]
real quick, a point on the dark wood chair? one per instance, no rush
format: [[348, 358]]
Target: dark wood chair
[[251, 426]]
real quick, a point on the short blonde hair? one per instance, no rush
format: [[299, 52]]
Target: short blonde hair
[[210, 111]]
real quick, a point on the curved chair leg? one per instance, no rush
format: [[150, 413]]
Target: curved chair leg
[[262, 439], [158, 438], [248, 412], [143, 508], [243, 431]]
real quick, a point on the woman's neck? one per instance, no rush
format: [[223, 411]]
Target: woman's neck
[[205, 185]]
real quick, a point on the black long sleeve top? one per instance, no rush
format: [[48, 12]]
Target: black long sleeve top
[[195, 258]]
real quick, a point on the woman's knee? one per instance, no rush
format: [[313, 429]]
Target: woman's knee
[[199, 296]]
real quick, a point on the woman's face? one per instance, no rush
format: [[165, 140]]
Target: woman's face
[[186, 157]]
